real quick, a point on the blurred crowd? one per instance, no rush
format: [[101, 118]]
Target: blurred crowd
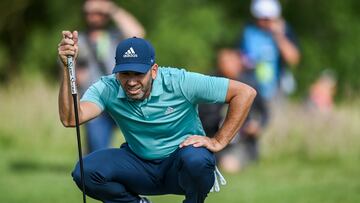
[[264, 58]]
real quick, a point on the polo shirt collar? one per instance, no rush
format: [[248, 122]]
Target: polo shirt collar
[[121, 93], [157, 88]]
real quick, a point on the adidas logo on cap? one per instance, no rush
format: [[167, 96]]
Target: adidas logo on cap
[[134, 54], [130, 53]]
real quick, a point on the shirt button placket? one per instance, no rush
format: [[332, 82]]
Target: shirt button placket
[[143, 110]]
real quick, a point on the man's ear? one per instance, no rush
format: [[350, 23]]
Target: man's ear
[[117, 76], [154, 70]]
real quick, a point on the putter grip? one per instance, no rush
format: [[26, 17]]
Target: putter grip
[[71, 67]]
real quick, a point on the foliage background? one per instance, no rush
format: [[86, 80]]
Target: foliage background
[[186, 34]]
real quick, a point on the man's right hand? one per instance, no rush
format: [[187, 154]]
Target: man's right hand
[[68, 46]]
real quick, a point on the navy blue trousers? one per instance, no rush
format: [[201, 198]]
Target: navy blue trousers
[[118, 175]]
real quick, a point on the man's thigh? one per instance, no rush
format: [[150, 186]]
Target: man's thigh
[[182, 163], [121, 165]]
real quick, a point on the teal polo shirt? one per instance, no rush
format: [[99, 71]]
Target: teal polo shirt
[[154, 127]]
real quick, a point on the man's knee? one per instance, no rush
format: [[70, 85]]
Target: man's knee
[[197, 160], [76, 174], [91, 177], [197, 165]]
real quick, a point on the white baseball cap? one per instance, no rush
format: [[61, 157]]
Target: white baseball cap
[[265, 8]]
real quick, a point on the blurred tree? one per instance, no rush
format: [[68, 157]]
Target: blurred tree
[[29, 31], [185, 34]]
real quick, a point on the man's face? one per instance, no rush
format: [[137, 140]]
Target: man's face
[[96, 20], [137, 86], [264, 23], [229, 63], [96, 14]]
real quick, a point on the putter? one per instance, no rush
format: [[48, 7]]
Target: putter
[[71, 67]]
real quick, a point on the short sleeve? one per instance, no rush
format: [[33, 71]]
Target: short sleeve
[[95, 94], [199, 88]]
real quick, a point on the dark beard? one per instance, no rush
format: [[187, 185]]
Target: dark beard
[[146, 93]]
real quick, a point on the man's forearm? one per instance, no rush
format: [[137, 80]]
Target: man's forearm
[[127, 23], [288, 50], [66, 105], [238, 110]]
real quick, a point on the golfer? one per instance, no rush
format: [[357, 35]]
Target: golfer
[[155, 107]]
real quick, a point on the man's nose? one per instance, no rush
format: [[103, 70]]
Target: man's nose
[[131, 82]]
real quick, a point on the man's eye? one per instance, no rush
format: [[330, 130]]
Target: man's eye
[[131, 74], [124, 74]]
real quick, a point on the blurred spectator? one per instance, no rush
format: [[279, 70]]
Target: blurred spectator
[[244, 147], [267, 45], [322, 92], [97, 45]]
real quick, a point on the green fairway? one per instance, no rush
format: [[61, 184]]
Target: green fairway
[[306, 158]]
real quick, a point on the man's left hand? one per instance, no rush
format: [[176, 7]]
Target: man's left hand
[[202, 141]]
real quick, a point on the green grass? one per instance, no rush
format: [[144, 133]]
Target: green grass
[[306, 157]]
